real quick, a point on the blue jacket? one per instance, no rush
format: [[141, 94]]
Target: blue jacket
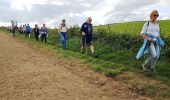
[[144, 49], [28, 28]]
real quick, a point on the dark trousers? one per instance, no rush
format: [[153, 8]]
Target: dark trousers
[[27, 33], [36, 36], [44, 36], [13, 31]]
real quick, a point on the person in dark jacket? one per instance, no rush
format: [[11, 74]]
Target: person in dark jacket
[[87, 36], [36, 31]]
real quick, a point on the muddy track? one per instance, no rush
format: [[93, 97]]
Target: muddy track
[[29, 72]]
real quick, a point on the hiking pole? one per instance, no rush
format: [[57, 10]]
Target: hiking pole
[[85, 44]]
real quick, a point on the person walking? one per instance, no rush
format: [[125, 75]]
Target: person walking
[[87, 36], [63, 33], [28, 30], [36, 31], [13, 27], [152, 42], [44, 32]]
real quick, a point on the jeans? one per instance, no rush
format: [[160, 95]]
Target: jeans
[[154, 55], [63, 37]]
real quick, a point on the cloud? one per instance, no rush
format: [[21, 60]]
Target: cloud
[[26, 12], [76, 11], [130, 10]]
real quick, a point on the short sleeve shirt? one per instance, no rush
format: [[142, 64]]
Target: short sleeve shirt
[[151, 28]]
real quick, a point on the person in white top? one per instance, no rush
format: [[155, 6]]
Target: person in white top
[[63, 33], [151, 27]]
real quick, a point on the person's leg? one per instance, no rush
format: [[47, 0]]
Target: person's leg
[[83, 44], [45, 38], [91, 44], [21, 32], [149, 61], [91, 48], [157, 51], [65, 39], [42, 37], [157, 48], [29, 35], [62, 39], [13, 31], [37, 36], [81, 48]]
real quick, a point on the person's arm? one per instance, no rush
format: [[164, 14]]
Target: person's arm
[[59, 29], [66, 28], [82, 30], [92, 28], [143, 31], [47, 30], [41, 30], [146, 37]]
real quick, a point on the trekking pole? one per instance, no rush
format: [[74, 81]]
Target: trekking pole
[[85, 44]]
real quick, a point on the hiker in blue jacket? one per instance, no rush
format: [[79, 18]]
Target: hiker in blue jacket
[[28, 30], [44, 32], [152, 42], [87, 36]]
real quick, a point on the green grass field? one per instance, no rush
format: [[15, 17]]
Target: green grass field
[[133, 28]]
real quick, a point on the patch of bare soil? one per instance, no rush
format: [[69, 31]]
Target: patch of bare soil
[[28, 72]]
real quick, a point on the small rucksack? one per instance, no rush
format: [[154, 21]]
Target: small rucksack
[[157, 23]]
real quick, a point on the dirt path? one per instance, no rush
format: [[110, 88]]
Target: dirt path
[[28, 72]]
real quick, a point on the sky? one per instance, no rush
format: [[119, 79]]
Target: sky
[[51, 12]]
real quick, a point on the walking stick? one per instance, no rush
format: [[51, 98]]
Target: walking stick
[[85, 44]]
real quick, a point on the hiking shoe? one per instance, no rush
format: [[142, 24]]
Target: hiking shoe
[[153, 70], [94, 55], [82, 52], [145, 67]]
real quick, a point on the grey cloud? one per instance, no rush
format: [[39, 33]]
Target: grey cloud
[[40, 13], [125, 8], [73, 11]]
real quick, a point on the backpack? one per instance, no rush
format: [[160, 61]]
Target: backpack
[[157, 23]]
